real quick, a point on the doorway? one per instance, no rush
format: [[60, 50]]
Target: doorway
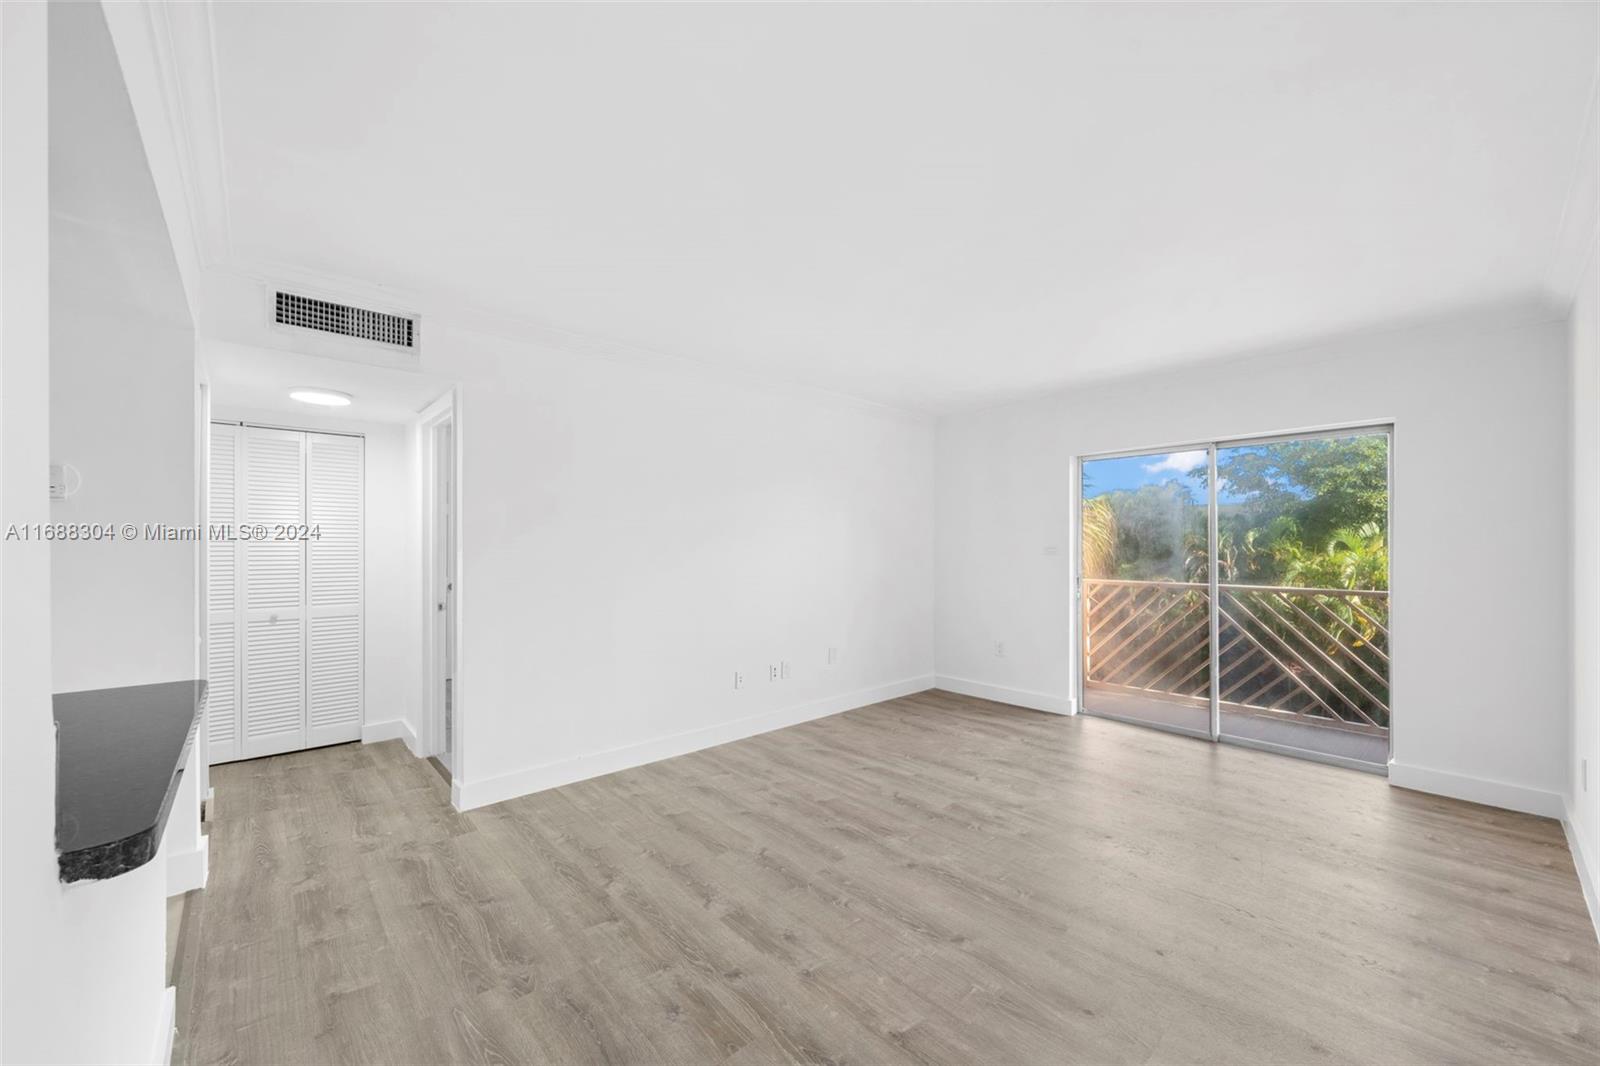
[[1239, 591], [440, 438]]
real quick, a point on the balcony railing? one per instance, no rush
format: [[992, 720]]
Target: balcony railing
[[1316, 655]]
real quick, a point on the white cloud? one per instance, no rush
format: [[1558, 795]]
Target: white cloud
[[1180, 462]]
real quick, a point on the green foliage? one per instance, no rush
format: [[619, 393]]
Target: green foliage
[[1099, 537], [1351, 559], [1311, 513], [1278, 554], [1151, 524], [1325, 484]]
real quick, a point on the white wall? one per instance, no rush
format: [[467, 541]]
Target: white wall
[[122, 383], [1480, 464], [122, 414], [29, 890], [633, 533], [95, 961], [391, 585], [82, 964], [1584, 787], [636, 529]]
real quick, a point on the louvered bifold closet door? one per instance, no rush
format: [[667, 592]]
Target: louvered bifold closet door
[[333, 587], [222, 594], [274, 690]]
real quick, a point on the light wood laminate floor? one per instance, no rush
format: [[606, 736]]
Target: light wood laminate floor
[[933, 879]]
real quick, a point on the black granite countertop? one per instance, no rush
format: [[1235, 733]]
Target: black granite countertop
[[119, 758]]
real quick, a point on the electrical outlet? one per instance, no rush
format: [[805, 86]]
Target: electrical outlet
[[783, 669], [738, 680], [772, 672], [999, 649], [833, 656]]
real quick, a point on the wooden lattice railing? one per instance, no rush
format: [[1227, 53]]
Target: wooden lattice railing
[[1320, 654]]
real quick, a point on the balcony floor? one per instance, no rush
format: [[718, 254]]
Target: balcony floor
[[1373, 751]]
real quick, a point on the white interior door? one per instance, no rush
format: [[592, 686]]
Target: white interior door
[[222, 593], [274, 688], [333, 587], [285, 596]]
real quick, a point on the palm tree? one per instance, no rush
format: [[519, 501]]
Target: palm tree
[[1354, 558], [1099, 538]]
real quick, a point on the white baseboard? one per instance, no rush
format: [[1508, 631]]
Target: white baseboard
[[1017, 697], [187, 870], [394, 729], [166, 1029], [469, 794], [1588, 876], [1478, 790]]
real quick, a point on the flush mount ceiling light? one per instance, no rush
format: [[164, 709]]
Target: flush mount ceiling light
[[320, 397]]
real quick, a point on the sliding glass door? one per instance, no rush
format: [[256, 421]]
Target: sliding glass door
[[1240, 591], [1303, 599], [1146, 591]]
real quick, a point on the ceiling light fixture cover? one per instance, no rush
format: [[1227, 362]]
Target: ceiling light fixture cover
[[320, 397]]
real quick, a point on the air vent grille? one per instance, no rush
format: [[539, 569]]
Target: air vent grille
[[325, 316]]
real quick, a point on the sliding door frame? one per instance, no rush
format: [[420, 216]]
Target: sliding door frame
[[1213, 590], [1385, 427]]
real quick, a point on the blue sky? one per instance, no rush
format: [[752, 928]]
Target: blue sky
[[1111, 475]]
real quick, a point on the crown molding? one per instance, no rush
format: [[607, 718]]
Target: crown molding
[[1531, 309], [167, 56], [186, 46], [137, 44]]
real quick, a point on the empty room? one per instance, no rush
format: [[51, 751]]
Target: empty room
[[939, 533]]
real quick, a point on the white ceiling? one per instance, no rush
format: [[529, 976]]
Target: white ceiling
[[931, 206], [247, 378]]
